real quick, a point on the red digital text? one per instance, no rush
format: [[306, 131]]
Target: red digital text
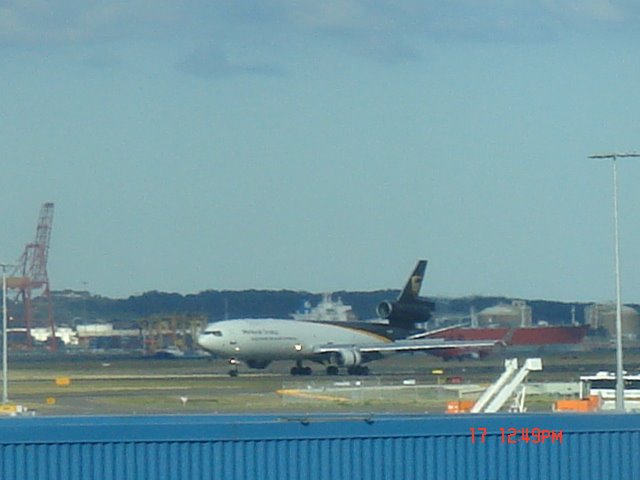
[[514, 436]]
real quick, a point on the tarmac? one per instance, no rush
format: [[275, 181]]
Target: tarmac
[[97, 384]]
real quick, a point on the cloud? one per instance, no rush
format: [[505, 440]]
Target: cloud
[[100, 60], [386, 30], [509, 20], [74, 22], [329, 14], [212, 63], [592, 11], [388, 50]]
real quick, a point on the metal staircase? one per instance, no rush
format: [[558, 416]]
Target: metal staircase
[[494, 397]]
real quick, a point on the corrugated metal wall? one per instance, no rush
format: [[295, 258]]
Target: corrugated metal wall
[[322, 447]]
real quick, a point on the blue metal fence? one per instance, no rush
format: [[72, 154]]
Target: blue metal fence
[[460, 447]]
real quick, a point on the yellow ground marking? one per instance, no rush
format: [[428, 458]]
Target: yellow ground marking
[[311, 396]]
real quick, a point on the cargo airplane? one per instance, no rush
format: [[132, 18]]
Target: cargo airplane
[[336, 345]]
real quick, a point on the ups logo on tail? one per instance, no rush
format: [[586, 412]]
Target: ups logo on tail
[[416, 282]]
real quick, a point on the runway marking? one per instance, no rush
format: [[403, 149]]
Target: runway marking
[[141, 376], [311, 396], [129, 389]]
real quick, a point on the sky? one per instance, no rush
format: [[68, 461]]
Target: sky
[[323, 145]]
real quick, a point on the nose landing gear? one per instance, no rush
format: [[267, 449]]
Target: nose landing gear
[[234, 371]]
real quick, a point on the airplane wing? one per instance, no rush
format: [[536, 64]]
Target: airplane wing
[[431, 333], [408, 346]]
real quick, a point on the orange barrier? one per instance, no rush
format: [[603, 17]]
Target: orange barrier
[[460, 406], [591, 404]]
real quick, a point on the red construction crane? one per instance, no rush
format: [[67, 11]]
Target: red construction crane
[[30, 274]]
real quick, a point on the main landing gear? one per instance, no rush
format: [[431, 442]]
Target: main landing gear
[[358, 370], [300, 370], [333, 370]]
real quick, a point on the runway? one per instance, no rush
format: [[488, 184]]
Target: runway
[[402, 383]]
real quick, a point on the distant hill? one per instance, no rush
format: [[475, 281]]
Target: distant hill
[[72, 306]]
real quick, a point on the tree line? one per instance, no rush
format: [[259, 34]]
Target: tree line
[[82, 307]]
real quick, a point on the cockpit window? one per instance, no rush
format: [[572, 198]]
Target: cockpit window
[[215, 333]]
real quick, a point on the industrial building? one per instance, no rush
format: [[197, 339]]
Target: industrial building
[[603, 316], [515, 314]]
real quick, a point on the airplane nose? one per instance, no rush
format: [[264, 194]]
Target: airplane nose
[[202, 340], [210, 340]]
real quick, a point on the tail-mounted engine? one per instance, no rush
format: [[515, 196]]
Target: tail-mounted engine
[[410, 308], [405, 314]]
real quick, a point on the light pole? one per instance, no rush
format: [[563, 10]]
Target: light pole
[[5, 374], [619, 369]]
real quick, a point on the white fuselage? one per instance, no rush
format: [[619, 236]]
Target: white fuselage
[[278, 339]]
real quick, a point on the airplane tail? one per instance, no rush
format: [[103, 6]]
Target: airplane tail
[[409, 308], [411, 290]]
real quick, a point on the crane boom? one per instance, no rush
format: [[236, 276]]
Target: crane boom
[[30, 273]]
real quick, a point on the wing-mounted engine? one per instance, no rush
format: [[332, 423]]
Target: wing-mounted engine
[[347, 357]]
